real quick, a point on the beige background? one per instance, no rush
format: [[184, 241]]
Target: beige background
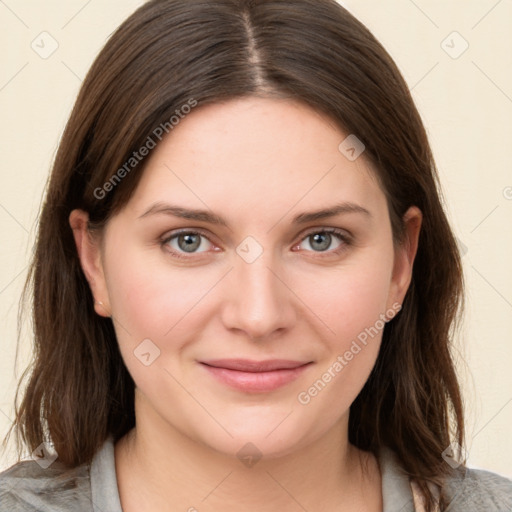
[[466, 103]]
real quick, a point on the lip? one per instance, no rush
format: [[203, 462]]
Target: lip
[[255, 376]]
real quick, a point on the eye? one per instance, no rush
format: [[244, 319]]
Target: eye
[[325, 240], [187, 242]]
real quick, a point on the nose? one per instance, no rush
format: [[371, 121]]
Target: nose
[[258, 301]]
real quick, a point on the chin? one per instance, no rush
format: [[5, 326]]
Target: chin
[[258, 438]]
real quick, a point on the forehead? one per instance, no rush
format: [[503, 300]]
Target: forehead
[[250, 154]]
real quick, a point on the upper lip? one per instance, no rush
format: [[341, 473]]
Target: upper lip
[[247, 365]]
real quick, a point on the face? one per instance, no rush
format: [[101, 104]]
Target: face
[[218, 256]]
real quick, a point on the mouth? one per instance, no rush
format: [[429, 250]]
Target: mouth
[[255, 376]]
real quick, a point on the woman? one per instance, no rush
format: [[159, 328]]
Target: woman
[[238, 301]]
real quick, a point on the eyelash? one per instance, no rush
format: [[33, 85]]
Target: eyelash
[[342, 235]]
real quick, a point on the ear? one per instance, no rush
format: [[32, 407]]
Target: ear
[[405, 253], [89, 254]]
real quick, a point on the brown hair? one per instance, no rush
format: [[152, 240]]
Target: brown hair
[[167, 54]]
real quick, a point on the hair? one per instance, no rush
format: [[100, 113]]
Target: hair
[[171, 53]]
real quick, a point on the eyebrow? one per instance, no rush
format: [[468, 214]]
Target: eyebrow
[[212, 218]]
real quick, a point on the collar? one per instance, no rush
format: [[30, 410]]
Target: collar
[[396, 488]]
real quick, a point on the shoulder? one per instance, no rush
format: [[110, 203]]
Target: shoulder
[[478, 490], [466, 490], [27, 487]]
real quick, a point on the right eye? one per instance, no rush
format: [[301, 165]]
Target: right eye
[[186, 242]]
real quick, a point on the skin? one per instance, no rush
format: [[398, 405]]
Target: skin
[[257, 163]]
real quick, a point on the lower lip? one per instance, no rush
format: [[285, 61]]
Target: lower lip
[[256, 382]]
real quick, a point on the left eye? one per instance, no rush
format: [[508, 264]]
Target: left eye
[[321, 241]]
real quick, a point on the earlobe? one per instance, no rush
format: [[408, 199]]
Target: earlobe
[[405, 254], [88, 249], [100, 308]]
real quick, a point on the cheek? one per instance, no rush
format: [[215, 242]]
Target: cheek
[[350, 298], [150, 300], [148, 296], [352, 308]]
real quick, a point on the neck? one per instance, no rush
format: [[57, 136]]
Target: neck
[[160, 468]]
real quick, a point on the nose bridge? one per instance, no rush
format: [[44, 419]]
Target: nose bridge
[[258, 283], [258, 301]]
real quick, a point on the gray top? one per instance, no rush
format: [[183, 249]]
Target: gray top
[[27, 487]]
